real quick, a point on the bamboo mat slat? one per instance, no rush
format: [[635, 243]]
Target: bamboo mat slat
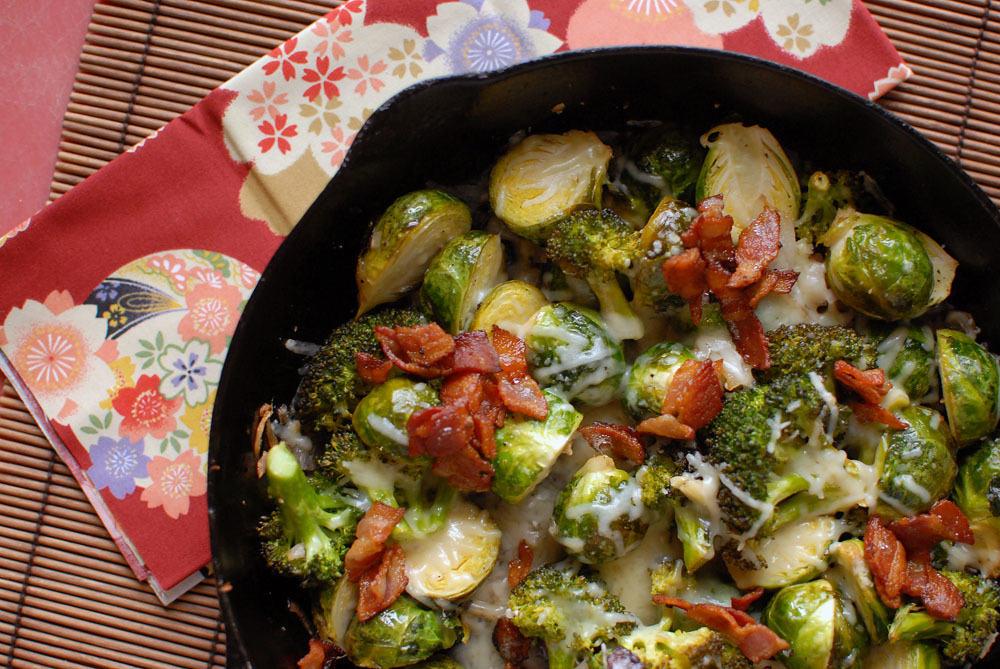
[[67, 598]]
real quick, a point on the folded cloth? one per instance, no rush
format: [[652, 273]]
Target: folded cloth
[[119, 300]]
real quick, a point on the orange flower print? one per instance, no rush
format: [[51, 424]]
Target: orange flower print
[[323, 79], [175, 482], [144, 410], [212, 315], [277, 133], [286, 57]]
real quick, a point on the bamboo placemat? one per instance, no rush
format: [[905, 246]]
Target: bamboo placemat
[[67, 598]]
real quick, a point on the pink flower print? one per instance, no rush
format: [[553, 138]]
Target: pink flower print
[[212, 277], [324, 78], [175, 482], [247, 275], [212, 315], [144, 410], [284, 56], [172, 268], [344, 14], [364, 74], [277, 133], [338, 147], [266, 99], [332, 40]]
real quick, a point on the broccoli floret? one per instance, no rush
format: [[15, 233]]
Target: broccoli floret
[[569, 608], [970, 635], [826, 193], [654, 481], [804, 348], [657, 648], [594, 245], [657, 494], [668, 160], [313, 525], [331, 387]]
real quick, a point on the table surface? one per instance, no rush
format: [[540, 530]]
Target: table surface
[[66, 597]]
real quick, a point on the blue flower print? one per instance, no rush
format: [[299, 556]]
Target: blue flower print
[[117, 464]]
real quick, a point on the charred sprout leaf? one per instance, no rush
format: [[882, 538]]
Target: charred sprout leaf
[[917, 464], [528, 448], [748, 167], [380, 418], [450, 562], [884, 268], [509, 305], [458, 278], [970, 383], [546, 177], [599, 516], [402, 634], [403, 241], [647, 380], [571, 352], [820, 626]]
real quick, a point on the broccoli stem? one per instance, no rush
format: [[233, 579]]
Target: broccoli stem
[[622, 321]]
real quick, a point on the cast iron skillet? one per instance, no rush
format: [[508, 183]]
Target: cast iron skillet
[[447, 131]]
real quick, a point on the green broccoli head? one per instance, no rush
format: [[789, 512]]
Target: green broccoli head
[[827, 192], [667, 161], [804, 348], [313, 525], [657, 648], [654, 477], [569, 608], [970, 635], [331, 387]]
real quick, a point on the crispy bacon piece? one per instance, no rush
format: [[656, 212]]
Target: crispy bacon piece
[[743, 602], [618, 441], [711, 231], [518, 568], [518, 390], [440, 431], [773, 281], [751, 342], [465, 470], [510, 351], [694, 394], [421, 350], [372, 368], [665, 425], [319, 653], [886, 558], [943, 522], [756, 641], [382, 584], [940, 597], [758, 245], [372, 532], [513, 646], [484, 428], [463, 388], [474, 353], [685, 276], [869, 384], [876, 413]]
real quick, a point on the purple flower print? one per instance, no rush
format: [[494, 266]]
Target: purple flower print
[[117, 464]]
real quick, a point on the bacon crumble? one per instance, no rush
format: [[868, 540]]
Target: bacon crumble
[[379, 570], [519, 567], [871, 385], [618, 441]]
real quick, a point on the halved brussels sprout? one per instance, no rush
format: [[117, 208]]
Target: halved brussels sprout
[[821, 627], [545, 177], [851, 574], [794, 553], [748, 167], [509, 305], [406, 237], [528, 448], [599, 516], [659, 239], [648, 378], [381, 416], [571, 352], [695, 534], [402, 634], [451, 562], [459, 277], [905, 655], [883, 268], [977, 494], [907, 356], [335, 610], [917, 466], [970, 383]]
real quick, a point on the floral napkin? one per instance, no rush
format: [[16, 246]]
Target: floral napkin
[[119, 300]]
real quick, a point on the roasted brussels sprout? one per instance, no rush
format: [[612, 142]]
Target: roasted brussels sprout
[[977, 494], [851, 574], [509, 305], [970, 384], [648, 378], [884, 268], [403, 241], [381, 416], [402, 634], [917, 466], [334, 610], [795, 553], [459, 277], [905, 655], [571, 352], [659, 239], [748, 167], [545, 177], [452, 561], [821, 627], [527, 448], [907, 356], [599, 515]]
